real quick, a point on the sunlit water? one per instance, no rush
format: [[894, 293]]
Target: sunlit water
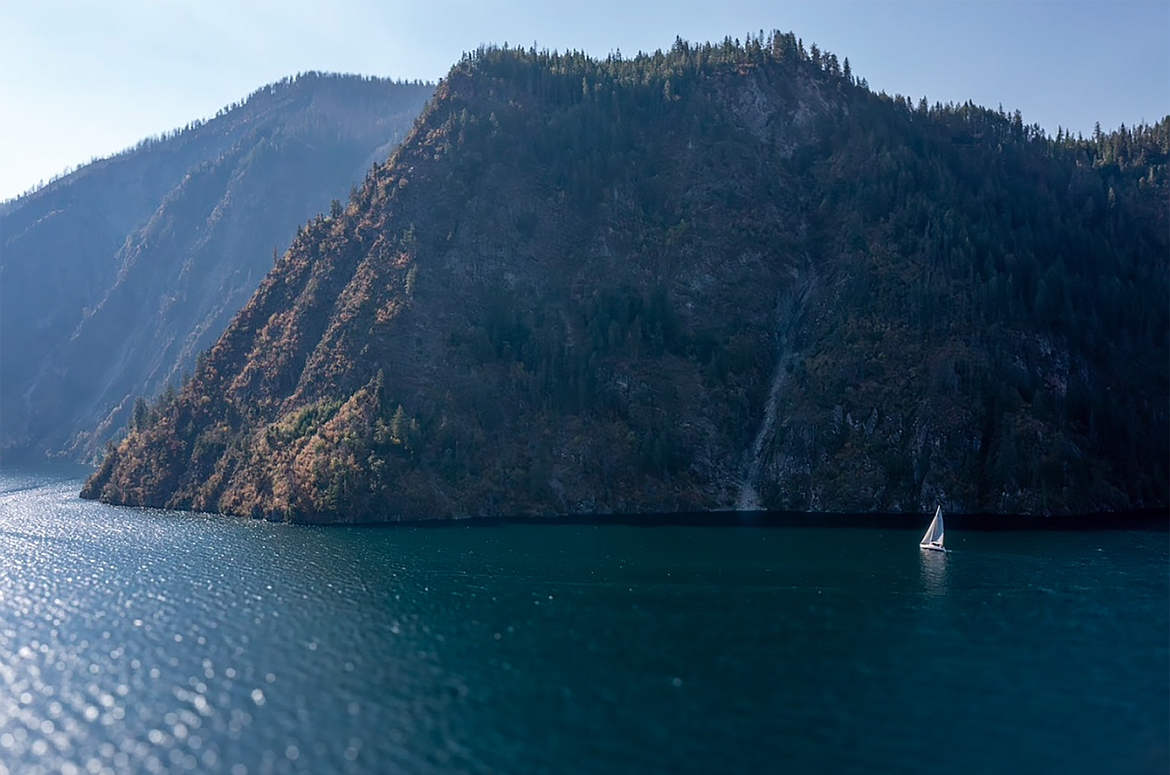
[[147, 641]]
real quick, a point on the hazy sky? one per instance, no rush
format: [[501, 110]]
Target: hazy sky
[[89, 78]]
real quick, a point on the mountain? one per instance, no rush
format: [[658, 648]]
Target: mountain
[[113, 278], [721, 276]]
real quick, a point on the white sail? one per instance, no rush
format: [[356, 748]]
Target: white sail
[[934, 533]]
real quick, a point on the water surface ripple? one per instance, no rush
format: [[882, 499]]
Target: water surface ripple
[[153, 641]]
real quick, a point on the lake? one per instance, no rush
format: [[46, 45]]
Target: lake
[[154, 641]]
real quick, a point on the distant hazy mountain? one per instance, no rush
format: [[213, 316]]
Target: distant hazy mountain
[[114, 277], [720, 276]]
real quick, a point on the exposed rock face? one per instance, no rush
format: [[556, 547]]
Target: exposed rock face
[[714, 278], [116, 276]]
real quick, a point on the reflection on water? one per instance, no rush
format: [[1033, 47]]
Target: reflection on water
[[933, 569], [146, 641]]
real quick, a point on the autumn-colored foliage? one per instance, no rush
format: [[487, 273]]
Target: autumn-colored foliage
[[679, 280]]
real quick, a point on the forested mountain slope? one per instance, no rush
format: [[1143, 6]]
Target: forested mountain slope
[[113, 278], [720, 276]]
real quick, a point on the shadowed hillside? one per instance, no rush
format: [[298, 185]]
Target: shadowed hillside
[[720, 276], [114, 277]]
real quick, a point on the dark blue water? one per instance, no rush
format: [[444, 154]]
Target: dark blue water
[[145, 641]]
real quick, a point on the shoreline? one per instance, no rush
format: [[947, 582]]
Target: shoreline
[[1151, 519]]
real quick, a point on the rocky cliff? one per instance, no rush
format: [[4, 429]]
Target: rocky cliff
[[716, 277]]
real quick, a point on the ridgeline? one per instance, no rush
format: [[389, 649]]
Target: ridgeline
[[117, 275], [723, 276]]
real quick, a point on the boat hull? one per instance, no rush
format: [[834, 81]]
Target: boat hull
[[932, 547]]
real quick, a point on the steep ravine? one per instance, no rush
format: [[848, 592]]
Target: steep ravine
[[789, 313]]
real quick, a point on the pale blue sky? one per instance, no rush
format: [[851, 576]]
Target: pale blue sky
[[84, 79]]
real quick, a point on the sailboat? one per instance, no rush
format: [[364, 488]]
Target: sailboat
[[933, 539]]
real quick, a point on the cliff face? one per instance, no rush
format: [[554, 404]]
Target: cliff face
[[116, 276], [715, 278]]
